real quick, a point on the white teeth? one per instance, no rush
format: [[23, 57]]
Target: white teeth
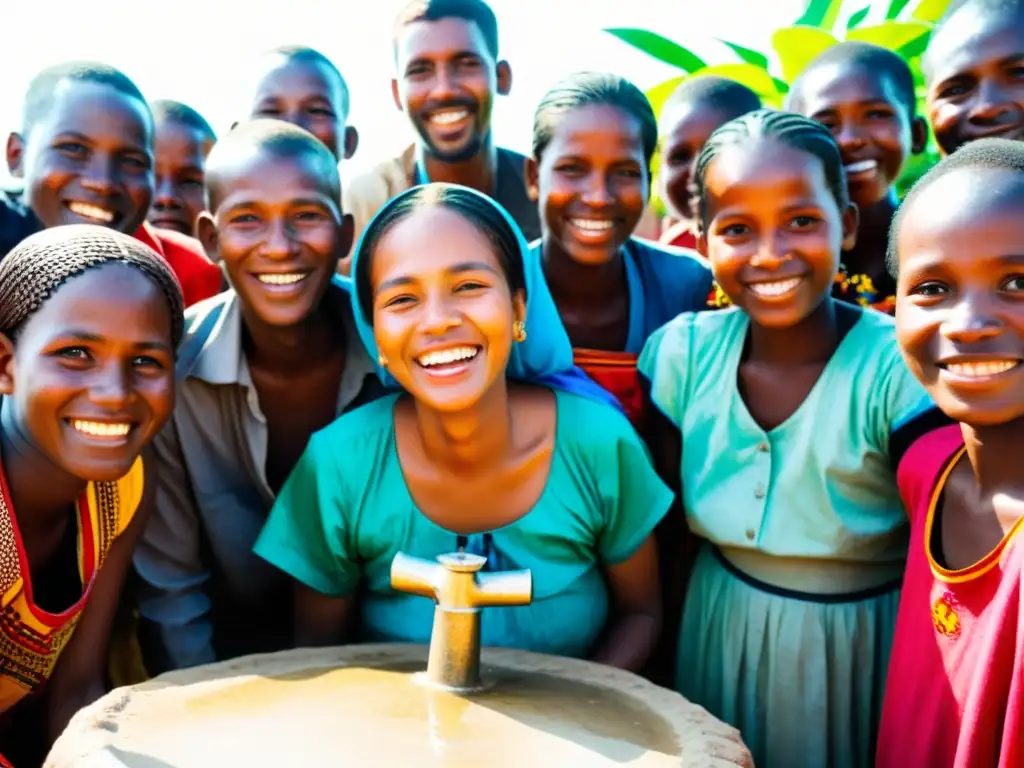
[[775, 288], [287, 279], [94, 212], [445, 356], [978, 370], [593, 225], [446, 118], [863, 165], [101, 428]]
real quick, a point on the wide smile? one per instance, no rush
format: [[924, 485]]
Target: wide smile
[[775, 290], [450, 122], [978, 371], [103, 432], [93, 214], [592, 230], [860, 169], [448, 362], [283, 283]]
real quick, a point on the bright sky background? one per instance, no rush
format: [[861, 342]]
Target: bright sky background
[[196, 51]]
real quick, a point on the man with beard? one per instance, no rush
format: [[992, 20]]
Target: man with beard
[[447, 73]]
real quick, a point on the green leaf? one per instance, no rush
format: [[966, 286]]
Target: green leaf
[[915, 48], [747, 55], [660, 48], [895, 8], [858, 17], [821, 14], [891, 34], [659, 93], [755, 78], [798, 46], [929, 11]]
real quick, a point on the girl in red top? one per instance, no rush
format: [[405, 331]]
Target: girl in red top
[[955, 695]]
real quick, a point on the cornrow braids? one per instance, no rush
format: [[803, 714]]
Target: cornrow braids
[[795, 131], [39, 265]]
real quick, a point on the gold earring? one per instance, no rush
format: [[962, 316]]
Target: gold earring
[[519, 331], [382, 360]]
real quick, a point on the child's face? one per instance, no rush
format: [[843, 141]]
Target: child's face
[[592, 182], [869, 123], [685, 129], [309, 96], [180, 173], [278, 230], [90, 160], [774, 231], [446, 82], [976, 81], [442, 309], [91, 376], [960, 294]]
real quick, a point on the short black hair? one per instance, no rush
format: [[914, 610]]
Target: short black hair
[[998, 154], [478, 210], [875, 59], [306, 55], [584, 89], [165, 110], [1003, 10], [720, 94], [40, 92], [268, 136], [472, 11], [795, 131], [39, 265]]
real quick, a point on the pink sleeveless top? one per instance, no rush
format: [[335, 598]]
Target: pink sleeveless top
[[955, 692]]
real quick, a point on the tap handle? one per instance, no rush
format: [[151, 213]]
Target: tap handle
[[504, 588], [416, 575]]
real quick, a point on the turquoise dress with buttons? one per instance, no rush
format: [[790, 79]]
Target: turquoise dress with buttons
[[346, 511], [791, 606]]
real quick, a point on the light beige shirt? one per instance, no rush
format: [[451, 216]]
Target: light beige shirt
[[205, 595]]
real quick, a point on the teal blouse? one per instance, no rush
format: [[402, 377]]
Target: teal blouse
[[822, 484], [346, 511]]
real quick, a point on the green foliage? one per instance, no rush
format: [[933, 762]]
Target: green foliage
[[903, 26]]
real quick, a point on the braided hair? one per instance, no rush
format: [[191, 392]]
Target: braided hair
[[794, 131], [39, 265]]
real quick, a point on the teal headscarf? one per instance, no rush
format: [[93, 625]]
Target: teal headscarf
[[544, 357]]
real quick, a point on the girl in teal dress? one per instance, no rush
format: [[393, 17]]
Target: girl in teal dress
[[794, 410], [471, 454]]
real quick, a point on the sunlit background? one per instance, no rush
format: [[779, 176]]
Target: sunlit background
[[197, 51]]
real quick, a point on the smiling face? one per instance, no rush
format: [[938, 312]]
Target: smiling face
[[308, 95], [180, 172], [89, 160], [278, 230], [975, 68], [446, 83], [774, 230], [592, 182], [960, 294], [442, 309], [869, 122], [92, 374], [685, 128]]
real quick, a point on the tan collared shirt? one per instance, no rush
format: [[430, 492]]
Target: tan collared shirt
[[205, 595]]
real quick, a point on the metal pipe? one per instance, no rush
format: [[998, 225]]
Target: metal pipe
[[459, 591]]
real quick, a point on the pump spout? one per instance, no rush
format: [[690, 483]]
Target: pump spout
[[459, 591]]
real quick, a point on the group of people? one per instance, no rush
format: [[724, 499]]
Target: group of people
[[234, 385]]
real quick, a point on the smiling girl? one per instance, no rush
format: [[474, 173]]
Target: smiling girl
[[477, 453], [89, 321], [593, 139], [794, 410]]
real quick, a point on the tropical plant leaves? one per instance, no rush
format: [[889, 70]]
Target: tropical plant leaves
[[858, 17], [756, 79], [821, 14], [747, 55], [929, 11], [798, 46], [660, 48], [893, 35], [660, 93]]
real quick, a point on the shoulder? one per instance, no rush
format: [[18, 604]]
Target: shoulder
[[924, 464], [351, 431], [590, 427], [669, 258], [514, 159], [16, 223], [874, 345], [381, 181], [130, 490], [202, 320]]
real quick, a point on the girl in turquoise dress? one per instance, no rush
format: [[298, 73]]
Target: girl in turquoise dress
[[472, 454], [794, 410]]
